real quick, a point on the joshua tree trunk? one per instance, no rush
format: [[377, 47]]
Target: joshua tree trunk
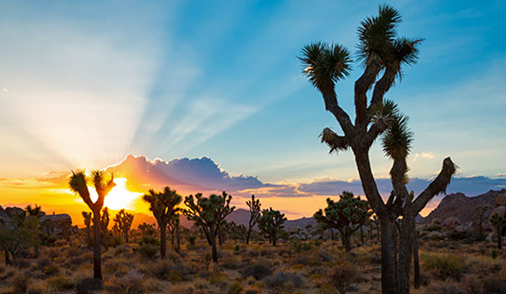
[[220, 239], [499, 236], [416, 261], [405, 252], [178, 237], [346, 243], [36, 249], [249, 234], [274, 239], [388, 257], [163, 240], [332, 234], [214, 250], [7, 258], [97, 262], [361, 234], [88, 235]]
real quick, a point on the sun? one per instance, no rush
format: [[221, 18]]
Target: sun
[[119, 197]]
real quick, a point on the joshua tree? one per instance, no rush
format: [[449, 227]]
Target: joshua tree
[[498, 222], [383, 55], [104, 223], [174, 230], [124, 221], [87, 223], [346, 216], [78, 184], [255, 213], [208, 214], [164, 206], [271, 223], [480, 217], [33, 215]]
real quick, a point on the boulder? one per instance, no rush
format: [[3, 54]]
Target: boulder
[[436, 222], [451, 223], [501, 210], [14, 211], [500, 200]]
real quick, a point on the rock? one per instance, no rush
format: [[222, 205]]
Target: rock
[[501, 210], [436, 222], [500, 200], [450, 224], [14, 211]]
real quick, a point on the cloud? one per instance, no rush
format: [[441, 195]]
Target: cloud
[[423, 155]]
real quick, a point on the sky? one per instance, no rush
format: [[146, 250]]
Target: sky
[[85, 84]]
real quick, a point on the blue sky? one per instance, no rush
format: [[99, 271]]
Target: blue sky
[[84, 84]]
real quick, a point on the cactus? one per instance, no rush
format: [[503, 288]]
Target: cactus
[[163, 205], [208, 213], [124, 221], [271, 222], [345, 215], [255, 213]]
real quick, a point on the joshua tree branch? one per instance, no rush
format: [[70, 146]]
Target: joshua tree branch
[[383, 85], [438, 185], [342, 117], [362, 85]]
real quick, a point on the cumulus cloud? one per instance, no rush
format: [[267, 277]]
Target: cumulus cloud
[[423, 155]]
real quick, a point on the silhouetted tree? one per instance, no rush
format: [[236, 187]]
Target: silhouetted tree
[[87, 223], [345, 215], [104, 223], [271, 223], [164, 206], [33, 215], [255, 213], [208, 214], [498, 222], [383, 55], [480, 217], [78, 184], [124, 221]]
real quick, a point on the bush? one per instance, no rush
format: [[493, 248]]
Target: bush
[[51, 270], [173, 272], [20, 283], [282, 281], [59, 284], [494, 284], [131, 283], [443, 266], [148, 250], [257, 270], [87, 285], [235, 288], [342, 276]]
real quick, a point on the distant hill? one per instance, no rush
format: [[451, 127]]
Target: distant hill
[[460, 206]]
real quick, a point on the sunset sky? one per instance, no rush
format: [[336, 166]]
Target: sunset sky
[[214, 89]]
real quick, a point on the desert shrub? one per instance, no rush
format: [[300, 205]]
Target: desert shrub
[[170, 271], [443, 266], [494, 253], [437, 288], [51, 270], [252, 291], [301, 259], [299, 246], [22, 264], [122, 250], [258, 270], [43, 262], [230, 262], [59, 284], [131, 283], [282, 281], [148, 250], [235, 288], [36, 288], [191, 239], [494, 284], [87, 285], [342, 276], [73, 252], [20, 283]]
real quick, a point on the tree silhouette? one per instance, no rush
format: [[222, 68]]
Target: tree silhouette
[[124, 221], [33, 214], [255, 213], [209, 213], [87, 223], [78, 184], [383, 56], [271, 223], [104, 223], [498, 222], [345, 215], [164, 206]]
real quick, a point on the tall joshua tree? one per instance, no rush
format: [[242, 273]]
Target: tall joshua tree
[[87, 223], [345, 215], [209, 212], [271, 223], [124, 221], [164, 206], [255, 213], [78, 184], [498, 222], [383, 56]]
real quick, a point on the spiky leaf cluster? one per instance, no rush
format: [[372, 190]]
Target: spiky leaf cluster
[[208, 210], [346, 214], [163, 204], [271, 222]]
